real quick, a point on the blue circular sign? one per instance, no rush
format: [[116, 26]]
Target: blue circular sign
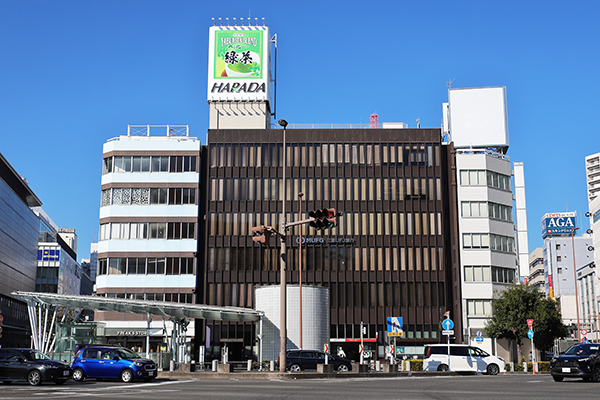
[[447, 324], [530, 334]]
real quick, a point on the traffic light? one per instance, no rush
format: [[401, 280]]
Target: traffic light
[[260, 234], [323, 219]]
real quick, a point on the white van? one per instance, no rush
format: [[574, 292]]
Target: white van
[[461, 358]]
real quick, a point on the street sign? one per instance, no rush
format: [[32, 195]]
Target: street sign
[[530, 334], [479, 333], [326, 348], [530, 323], [447, 324], [360, 348], [394, 324], [583, 332], [448, 332], [479, 339]]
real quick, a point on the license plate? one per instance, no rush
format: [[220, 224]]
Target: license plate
[[65, 373], [151, 373], [566, 370]]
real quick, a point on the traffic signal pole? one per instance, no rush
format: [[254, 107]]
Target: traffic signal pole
[[283, 285], [326, 218]]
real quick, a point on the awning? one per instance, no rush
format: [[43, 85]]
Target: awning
[[166, 309]]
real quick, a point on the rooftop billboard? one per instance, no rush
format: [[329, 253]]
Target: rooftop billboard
[[238, 63], [478, 117], [558, 224]]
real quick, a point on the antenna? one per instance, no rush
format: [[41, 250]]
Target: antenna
[[449, 84]]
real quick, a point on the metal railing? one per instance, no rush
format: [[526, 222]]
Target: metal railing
[[149, 130]]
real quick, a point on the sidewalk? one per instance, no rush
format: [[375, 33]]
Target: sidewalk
[[208, 374]]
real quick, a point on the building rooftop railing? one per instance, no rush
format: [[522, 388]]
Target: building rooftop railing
[[158, 130]]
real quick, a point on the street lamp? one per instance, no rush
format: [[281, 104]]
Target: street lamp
[[575, 281], [283, 295]]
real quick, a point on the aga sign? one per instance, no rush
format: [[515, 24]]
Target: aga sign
[[558, 224]]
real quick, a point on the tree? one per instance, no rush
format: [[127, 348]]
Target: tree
[[511, 310], [547, 324]]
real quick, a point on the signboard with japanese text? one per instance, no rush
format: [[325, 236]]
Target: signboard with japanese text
[[238, 63], [558, 224], [394, 326]]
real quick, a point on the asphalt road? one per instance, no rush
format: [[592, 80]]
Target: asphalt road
[[476, 387]]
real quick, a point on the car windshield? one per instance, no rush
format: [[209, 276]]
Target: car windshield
[[127, 354], [33, 355], [582, 350]]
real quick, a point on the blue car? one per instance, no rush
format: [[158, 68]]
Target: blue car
[[111, 362]]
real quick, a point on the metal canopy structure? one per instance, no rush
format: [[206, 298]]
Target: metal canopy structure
[[165, 309], [39, 302]]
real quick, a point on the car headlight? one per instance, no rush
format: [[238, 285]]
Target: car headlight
[[137, 363]]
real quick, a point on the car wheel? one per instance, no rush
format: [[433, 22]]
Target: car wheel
[[442, 367], [126, 375], [493, 369], [78, 375], [342, 368], [295, 368], [558, 378], [60, 381], [34, 378], [596, 376]]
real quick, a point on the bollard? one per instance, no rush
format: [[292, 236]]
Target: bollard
[[378, 366], [525, 366], [172, 365], [249, 365], [272, 366], [215, 365], [407, 363]]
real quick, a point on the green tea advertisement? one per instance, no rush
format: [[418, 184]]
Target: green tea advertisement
[[238, 54]]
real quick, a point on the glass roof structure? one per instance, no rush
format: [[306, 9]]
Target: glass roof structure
[[166, 309]]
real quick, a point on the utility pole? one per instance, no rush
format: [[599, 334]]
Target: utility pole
[[283, 295]]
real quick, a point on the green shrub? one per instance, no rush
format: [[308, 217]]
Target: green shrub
[[518, 367], [543, 366], [416, 365]]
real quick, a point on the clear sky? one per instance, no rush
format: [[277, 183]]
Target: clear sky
[[75, 73]]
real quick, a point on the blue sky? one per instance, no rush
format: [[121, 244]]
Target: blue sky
[[75, 73]]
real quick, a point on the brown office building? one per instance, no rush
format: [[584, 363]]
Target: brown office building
[[393, 253]]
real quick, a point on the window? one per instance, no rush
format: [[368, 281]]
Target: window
[[160, 163], [479, 307], [158, 196], [184, 163], [158, 230]]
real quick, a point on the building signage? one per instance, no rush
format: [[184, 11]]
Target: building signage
[[131, 331], [558, 224], [321, 240], [238, 63]]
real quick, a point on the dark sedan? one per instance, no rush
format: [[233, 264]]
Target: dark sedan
[[298, 360], [32, 366], [579, 361]]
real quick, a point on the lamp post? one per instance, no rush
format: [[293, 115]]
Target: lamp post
[[575, 281], [300, 195], [283, 294]]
